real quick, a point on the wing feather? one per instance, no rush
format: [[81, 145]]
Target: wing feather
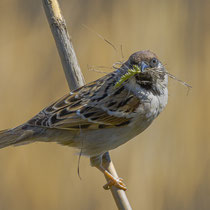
[[96, 105]]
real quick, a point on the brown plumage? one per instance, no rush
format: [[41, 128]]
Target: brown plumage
[[99, 116]]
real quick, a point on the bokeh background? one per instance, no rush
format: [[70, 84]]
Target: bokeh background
[[165, 168]]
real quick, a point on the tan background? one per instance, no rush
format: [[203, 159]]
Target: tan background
[[165, 168]]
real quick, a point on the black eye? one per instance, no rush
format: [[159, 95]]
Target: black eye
[[154, 62]]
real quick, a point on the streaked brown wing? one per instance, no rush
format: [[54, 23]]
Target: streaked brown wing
[[94, 106]]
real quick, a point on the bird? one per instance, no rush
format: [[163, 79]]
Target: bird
[[103, 114]]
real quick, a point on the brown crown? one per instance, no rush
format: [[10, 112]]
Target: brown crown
[[139, 56]]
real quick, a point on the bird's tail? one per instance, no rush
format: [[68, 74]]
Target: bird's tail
[[15, 136]]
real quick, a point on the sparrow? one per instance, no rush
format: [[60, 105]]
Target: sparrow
[[101, 115]]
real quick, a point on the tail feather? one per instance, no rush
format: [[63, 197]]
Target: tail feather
[[25, 134], [15, 136]]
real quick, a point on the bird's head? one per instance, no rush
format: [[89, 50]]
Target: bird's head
[[145, 68]]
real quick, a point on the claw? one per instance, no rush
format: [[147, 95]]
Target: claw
[[112, 181], [117, 182]]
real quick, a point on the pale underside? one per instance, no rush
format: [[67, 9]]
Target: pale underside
[[97, 117]]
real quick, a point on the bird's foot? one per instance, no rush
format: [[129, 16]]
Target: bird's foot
[[117, 182], [114, 181]]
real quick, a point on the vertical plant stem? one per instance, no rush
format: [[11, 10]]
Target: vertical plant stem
[[75, 78]]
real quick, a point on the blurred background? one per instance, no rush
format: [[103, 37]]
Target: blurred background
[[165, 168]]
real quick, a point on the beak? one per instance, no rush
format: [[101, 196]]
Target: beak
[[143, 66]]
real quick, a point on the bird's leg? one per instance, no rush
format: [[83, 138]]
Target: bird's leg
[[96, 161]]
